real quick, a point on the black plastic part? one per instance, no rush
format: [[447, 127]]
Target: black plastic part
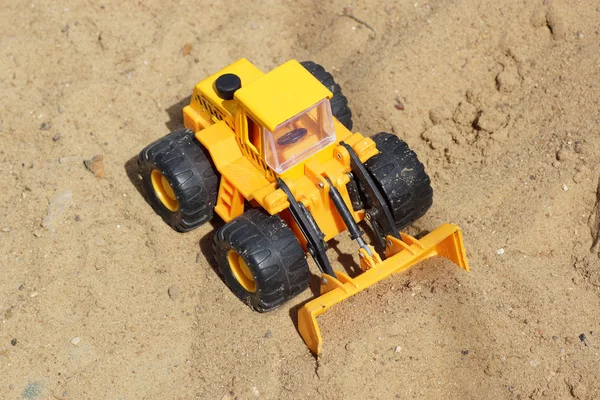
[[183, 161], [226, 85], [344, 212], [339, 102], [272, 253], [314, 237], [401, 178], [379, 214], [292, 136], [355, 199]]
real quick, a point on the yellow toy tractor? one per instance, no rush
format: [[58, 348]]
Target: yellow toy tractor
[[273, 155]]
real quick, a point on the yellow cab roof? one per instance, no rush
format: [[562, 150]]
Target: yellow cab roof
[[281, 94]]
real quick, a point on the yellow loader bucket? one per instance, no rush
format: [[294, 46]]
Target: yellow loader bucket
[[445, 241]]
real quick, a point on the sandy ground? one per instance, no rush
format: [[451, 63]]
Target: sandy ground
[[501, 102]]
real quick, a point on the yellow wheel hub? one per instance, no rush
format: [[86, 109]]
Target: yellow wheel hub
[[240, 271], [163, 190]]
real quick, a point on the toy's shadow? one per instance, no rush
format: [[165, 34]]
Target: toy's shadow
[[131, 169], [175, 112], [205, 243], [206, 246]]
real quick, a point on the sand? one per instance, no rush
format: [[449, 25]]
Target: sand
[[500, 99]]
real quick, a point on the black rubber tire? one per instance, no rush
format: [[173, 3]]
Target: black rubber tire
[[339, 102], [185, 164], [402, 179], [272, 253]]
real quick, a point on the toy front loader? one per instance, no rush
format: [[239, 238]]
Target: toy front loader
[[273, 155]]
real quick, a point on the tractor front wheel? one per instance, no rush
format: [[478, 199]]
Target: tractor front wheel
[[261, 260], [179, 180], [402, 179]]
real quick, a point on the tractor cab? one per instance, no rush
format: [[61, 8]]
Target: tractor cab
[[279, 119], [294, 139], [285, 116]]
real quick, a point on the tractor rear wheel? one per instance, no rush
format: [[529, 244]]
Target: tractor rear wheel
[[261, 260], [339, 102], [402, 179], [179, 180]]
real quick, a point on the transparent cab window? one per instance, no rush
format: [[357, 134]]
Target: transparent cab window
[[299, 137]]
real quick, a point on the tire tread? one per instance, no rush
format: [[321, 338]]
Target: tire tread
[[281, 272], [402, 179]]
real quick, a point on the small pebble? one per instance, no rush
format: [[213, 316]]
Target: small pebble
[[268, 334], [174, 292], [565, 188], [398, 349], [45, 126], [13, 342], [56, 137], [534, 363], [500, 251], [58, 205], [95, 165], [464, 352], [399, 105], [187, 49], [75, 341]]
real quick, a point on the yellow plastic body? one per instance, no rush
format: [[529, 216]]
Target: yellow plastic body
[[445, 241], [228, 129], [268, 100]]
